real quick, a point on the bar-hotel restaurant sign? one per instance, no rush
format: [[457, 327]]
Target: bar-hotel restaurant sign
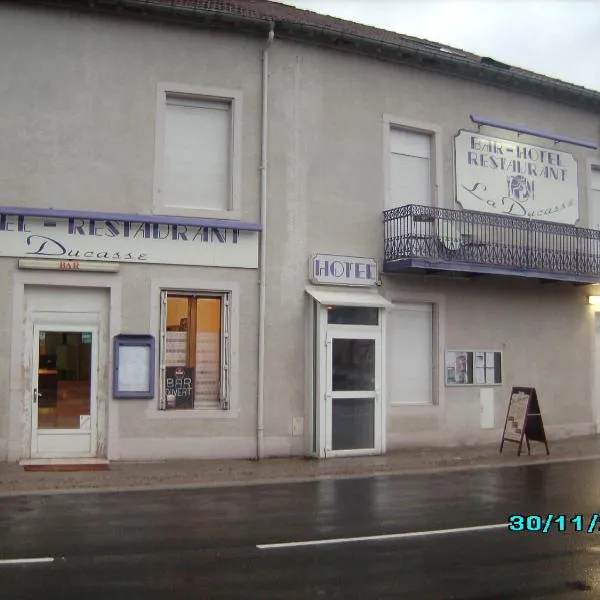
[[343, 270], [515, 179]]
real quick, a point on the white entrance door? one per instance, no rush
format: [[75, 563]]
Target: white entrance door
[[64, 390], [353, 407]]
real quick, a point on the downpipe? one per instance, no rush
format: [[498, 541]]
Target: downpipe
[[260, 404]]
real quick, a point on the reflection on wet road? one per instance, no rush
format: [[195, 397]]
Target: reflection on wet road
[[251, 542]]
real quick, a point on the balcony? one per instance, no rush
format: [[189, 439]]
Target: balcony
[[428, 239]]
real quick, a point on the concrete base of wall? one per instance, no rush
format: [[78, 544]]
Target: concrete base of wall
[[479, 437], [206, 448]]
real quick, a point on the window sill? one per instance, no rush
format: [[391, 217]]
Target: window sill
[[201, 213], [192, 414]]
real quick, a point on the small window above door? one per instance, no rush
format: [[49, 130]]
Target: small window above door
[[352, 315]]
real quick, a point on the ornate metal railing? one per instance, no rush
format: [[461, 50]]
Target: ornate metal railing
[[439, 235]]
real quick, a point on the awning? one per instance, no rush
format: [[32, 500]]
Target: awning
[[347, 297]]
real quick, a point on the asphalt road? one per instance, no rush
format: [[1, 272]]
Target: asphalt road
[[217, 543]]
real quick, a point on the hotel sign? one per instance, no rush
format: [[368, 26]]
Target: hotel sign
[[343, 270], [70, 239], [511, 178]]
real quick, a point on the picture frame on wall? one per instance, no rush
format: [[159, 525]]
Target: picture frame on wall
[[473, 367]]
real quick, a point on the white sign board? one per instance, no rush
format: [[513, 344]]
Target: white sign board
[[117, 241], [343, 270], [512, 178]]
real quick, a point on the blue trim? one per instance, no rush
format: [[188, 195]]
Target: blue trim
[[130, 218], [536, 132], [420, 264], [144, 341]]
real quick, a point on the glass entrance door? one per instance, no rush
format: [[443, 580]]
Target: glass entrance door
[[353, 392], [64, 391]]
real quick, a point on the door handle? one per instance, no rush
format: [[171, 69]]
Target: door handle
[[36, 395]]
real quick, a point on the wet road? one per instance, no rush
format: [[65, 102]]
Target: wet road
[[215, 543]]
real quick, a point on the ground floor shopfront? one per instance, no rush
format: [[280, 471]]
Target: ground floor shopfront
[[349, 369]]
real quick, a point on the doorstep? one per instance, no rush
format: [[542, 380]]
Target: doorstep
[[65, 464]]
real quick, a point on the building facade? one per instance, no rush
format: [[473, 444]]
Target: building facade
[[248, 230]]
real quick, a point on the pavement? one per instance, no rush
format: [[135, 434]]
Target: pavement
[[212, 473]]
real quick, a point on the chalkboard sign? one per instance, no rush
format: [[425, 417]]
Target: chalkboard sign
[[524, 420], [179, 387]]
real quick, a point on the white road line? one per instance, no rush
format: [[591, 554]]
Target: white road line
[[377, 538], [26, 561]]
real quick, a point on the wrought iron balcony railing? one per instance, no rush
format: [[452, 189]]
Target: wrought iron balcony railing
[[425, 237]]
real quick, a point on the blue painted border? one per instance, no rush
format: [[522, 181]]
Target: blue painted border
[[535, 132], [411, 263], [130, 218], [124, 339]]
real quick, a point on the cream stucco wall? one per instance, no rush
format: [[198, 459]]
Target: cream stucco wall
[[78, 117]]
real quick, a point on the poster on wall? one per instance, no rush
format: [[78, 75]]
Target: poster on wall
[[463, 367], [515, 179]]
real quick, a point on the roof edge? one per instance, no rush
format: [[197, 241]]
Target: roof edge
[[423, 58]]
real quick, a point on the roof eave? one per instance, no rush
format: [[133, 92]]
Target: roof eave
[[409, 55]]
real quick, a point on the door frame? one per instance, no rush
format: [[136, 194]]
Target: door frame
[[354, 332], [45, 323]]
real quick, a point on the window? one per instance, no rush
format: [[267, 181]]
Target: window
[[410, 354], [594, 208], [195, 351], [410, 168], [197, 152]]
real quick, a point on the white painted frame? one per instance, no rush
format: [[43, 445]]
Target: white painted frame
[[591, 164], [439, 343], [433, 401], [19, 435], [354, 332], [173, 284], [201, 93], [75, 323], [431, 129], [474, 385]]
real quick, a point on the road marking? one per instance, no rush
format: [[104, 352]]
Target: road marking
[[26, 561], [377, 538]]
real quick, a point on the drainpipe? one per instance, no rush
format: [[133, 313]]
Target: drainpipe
[[260, 404]]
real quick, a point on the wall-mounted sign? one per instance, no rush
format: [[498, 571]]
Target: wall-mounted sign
[[49, 264], [464, 367], [64, 239], [343, 270], [133, 375], [516, 179]]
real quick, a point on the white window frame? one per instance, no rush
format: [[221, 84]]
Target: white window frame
[[234, 97], [436, 160], [438, 403], [592, 165], [208, 288], [434, 399]]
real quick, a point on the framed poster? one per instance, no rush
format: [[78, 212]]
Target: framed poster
[[133, 367], [473, 367]]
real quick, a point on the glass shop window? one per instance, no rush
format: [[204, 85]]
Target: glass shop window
[[195, 351]]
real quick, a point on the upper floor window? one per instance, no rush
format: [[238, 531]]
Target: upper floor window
[[412, 162], [197, 152], [594, 208], [410, 168]]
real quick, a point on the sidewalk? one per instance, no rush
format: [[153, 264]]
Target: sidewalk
[[199, 473]]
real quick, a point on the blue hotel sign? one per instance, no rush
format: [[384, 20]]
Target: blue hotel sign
[[331, 269]]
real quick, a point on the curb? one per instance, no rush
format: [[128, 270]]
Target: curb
[[291, 480]]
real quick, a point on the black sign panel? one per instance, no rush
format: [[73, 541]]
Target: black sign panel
[[180, 387], [524, 419]]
